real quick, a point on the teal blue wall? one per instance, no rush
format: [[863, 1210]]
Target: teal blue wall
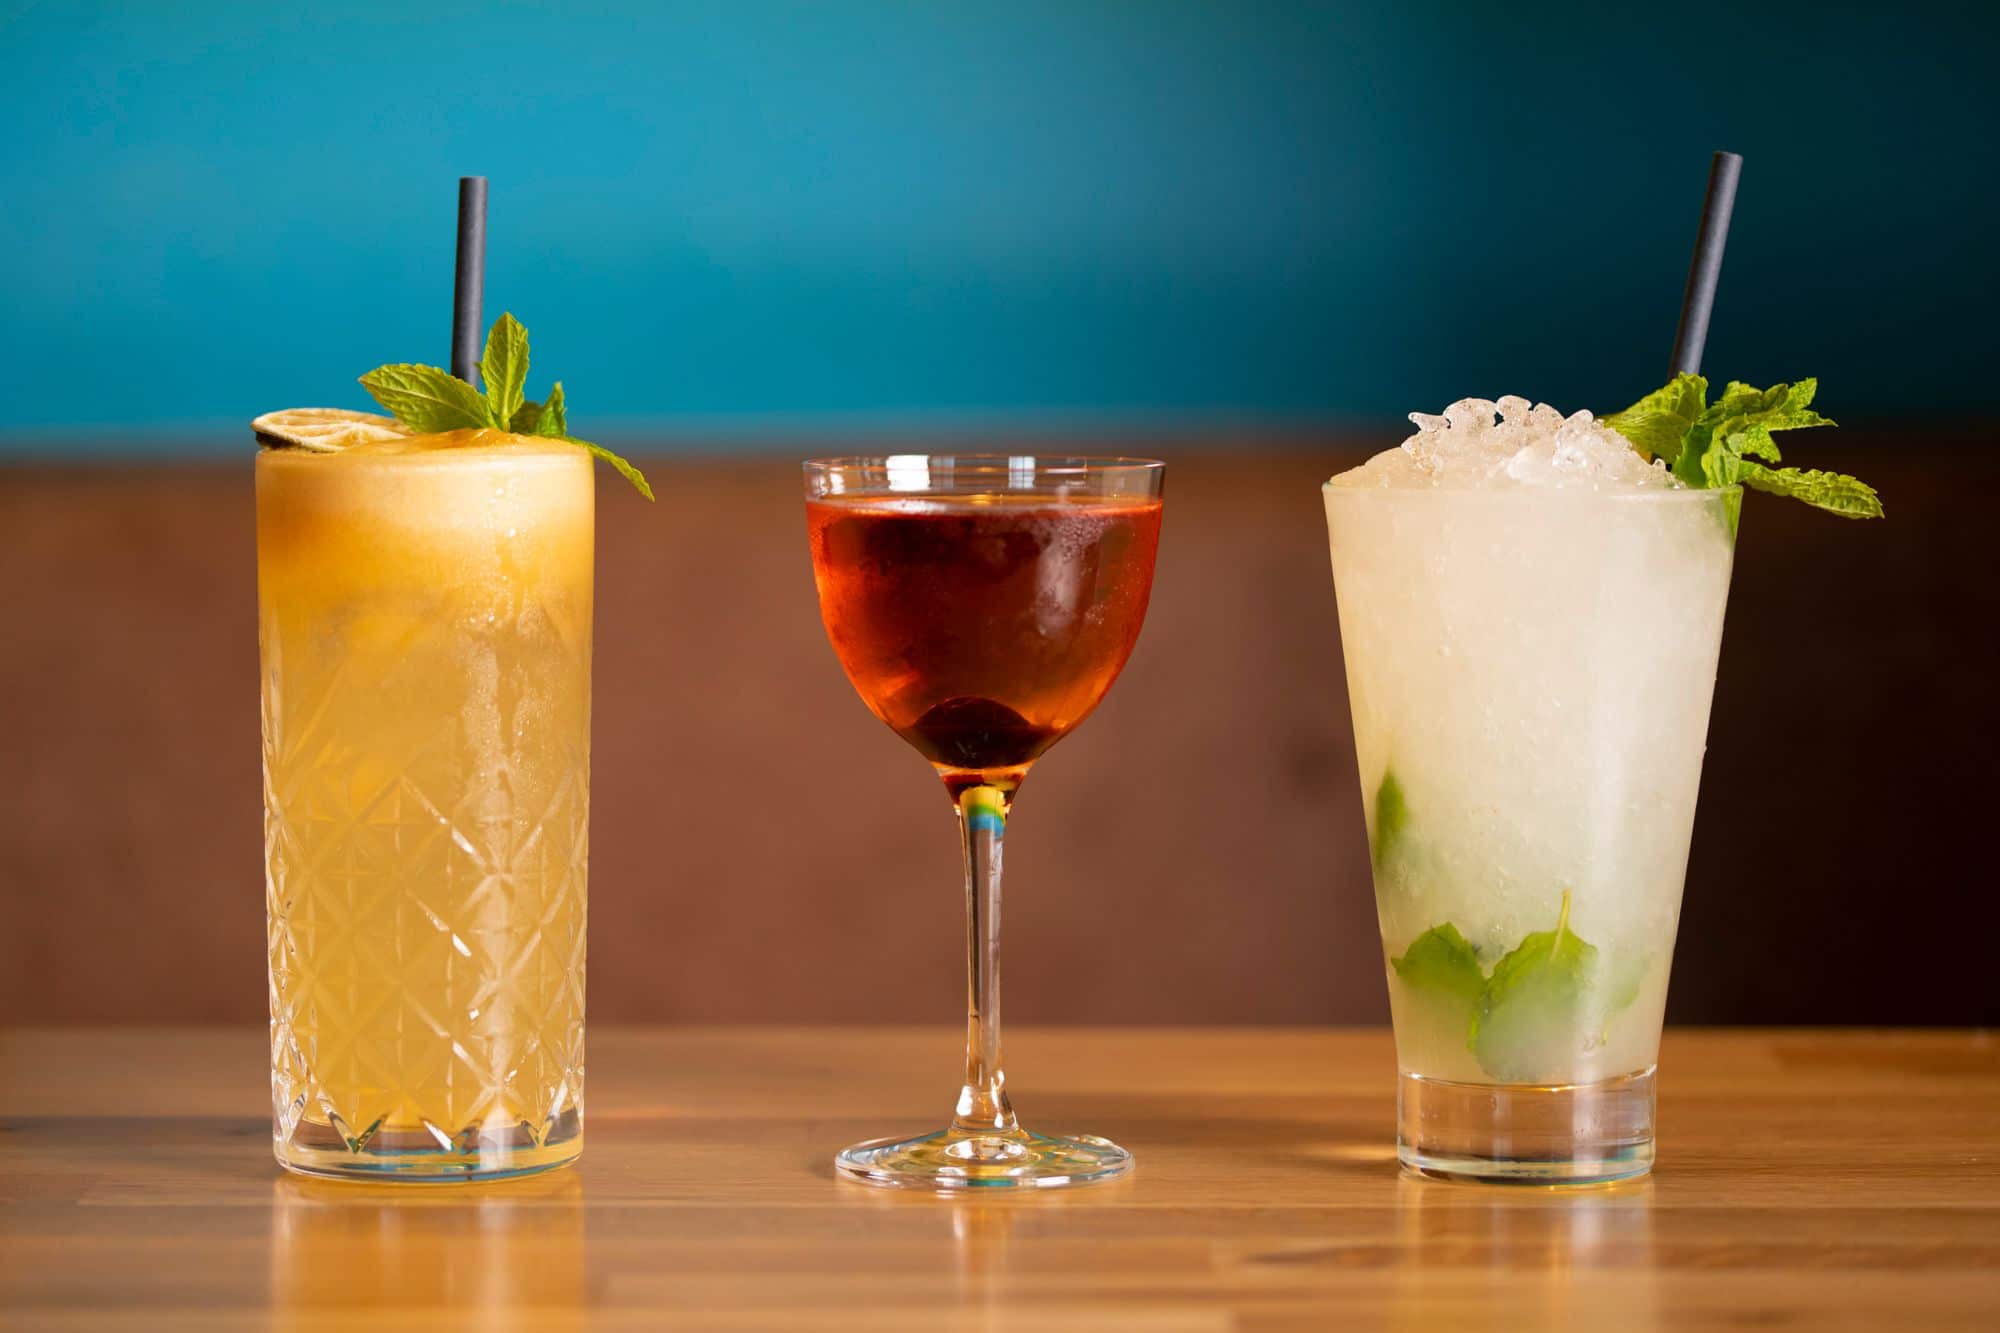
[[722, 219]]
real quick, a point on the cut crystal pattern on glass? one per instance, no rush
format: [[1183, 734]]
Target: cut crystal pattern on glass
[[426, 800]]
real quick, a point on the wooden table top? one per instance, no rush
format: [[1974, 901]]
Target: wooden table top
[[1807, 1178]]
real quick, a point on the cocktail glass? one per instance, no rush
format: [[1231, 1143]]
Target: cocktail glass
[[1530, 672], [982, 605], [424, 620]]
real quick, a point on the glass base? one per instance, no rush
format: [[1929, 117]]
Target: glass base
[[953, 1159], [1573, 1134], [422, 1156]]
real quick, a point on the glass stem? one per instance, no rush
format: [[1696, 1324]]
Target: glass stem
[[982, 824]]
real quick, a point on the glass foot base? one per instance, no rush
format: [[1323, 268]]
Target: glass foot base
[[1573, 1134], [952, 1160], [420, 1155]]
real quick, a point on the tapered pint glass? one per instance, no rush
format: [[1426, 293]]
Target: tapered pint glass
[[1530, 669]]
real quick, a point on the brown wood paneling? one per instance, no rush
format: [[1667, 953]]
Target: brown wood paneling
[[763, 849]]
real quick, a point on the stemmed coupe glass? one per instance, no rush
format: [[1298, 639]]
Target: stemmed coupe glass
[[982, 605]]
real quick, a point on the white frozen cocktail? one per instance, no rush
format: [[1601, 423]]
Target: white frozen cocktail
[[1531, 609]]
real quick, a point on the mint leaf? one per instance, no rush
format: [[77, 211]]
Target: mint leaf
[[504, 369], [1728, 442], [1441, 961], [427, 399], [1780, 407], [1754, 440], [1441, 981], [625, 469], [1658, 423], [1832, 491], [554, 419], [1529, 1022], [1691, 464], [1739, 425], [545, 419], [1619, 985], [1741, 422], [1392, 816]]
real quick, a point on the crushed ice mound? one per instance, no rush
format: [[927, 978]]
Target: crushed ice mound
[[1483, 445]]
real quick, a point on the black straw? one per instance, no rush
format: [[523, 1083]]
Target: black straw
[[468, 295], [1699, 302]]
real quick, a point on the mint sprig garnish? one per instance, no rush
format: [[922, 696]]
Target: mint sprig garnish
[[1730, 441], [431, 400]]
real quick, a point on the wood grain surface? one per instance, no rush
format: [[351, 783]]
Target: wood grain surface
[[1807, 1179]]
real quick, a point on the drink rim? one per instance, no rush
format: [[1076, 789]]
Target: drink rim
[[1645, 495], [989, 461], [946, 478], [524, 452]]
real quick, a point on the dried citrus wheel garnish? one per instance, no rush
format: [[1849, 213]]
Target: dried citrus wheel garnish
[[324, 429]]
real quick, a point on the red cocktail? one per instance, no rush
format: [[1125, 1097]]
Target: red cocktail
[[983, 627], [982, 606]]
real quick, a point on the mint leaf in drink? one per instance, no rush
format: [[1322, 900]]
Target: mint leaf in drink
[[426, 399], [1529, 1021], [504, 369], [1729, 441], [1658, 423], [1442, 962], [1619, 981], [1392, 815], [430, 400], [1440, 982]]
